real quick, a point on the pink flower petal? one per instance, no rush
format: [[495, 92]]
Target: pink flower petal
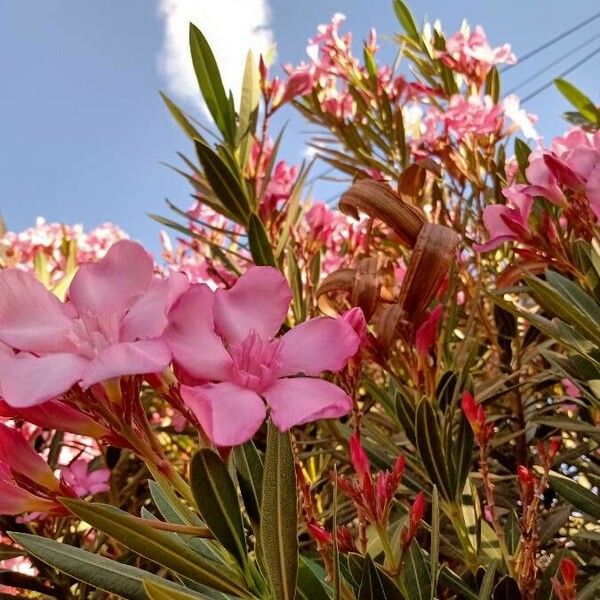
[[15, 501], [593, 191], [322, 344], [305, 399], [148, 316], [56, 415], [196, 347], [23, 459], [27, 380], [31, 317], [127, 358], [114, 283], [229, 414], [259, 301]]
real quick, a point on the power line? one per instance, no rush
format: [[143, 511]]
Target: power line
[[553, 41], [561, 75], [552, 64]]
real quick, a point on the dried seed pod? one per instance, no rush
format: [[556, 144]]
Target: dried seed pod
[[432, 256], [378, 200], [388, 321]]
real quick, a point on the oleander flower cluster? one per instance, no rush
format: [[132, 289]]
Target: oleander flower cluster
[[392, 393]]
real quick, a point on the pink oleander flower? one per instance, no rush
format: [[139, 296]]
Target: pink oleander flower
[[415, 515], [508, 222], [227, 341], [84, 481], [571, 168], [321, 221], [110, 326], [471, 116], [371, 496], [344, 539], [19, 249], [468, 52], [300, 82]]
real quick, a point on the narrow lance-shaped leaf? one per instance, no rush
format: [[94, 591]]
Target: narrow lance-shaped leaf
[[217, 502], [258, 240], [157, 546], [279, 515], [105, 574], [250, 469], [579, 100], [581, 498], [160, 591], [223, 182], [211, 85]]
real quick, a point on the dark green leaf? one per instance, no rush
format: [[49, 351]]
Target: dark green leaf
[[108, 575], [249, 466], [487, 584], [157, 546], [211, 85], [416, 574], [279, 515], [258, 240], [492, 84], [311, 581], [511, 532], [162, 591], [522, 152], [224, 183], [430, 447], [581, 498], [217, 501], [371, 587]]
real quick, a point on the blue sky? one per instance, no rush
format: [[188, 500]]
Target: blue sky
[[84, 131]]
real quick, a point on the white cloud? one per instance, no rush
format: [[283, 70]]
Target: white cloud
[[231, 28]]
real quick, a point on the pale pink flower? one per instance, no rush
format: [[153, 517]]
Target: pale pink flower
[[109, 327], [321, 221], [468, 52], [84, 481], [226, 340]]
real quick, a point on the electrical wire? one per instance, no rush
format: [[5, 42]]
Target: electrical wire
[[561, 75], [551, 42], [552, 64]]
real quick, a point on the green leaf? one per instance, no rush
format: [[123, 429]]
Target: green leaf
[[430, 447], [105, 574], [406, 20], [311, 581], [248, 108], [564, 300], [224, 183], [158, 546], [487, 584], [579, 100], [590, 590], [450, 579], [279, 515], [581, 498], [417, 577], [211, 85], [522, 152], [8, 551], [249, 466], [181, 119], [217, 501], [258, 240], [492, 84], [511, 532], [371, 587], [434, 555], [162, 591]]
